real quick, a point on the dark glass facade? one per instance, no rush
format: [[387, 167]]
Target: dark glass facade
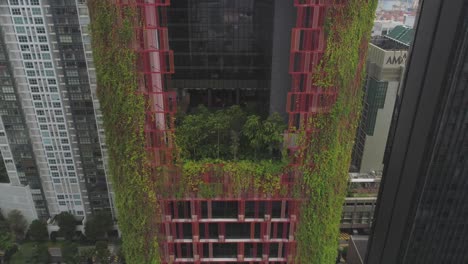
[[3, 173], [376, 92], [222, 51], [73, 61], [439, 229], [17, 133], [360, 140], [422, 211]]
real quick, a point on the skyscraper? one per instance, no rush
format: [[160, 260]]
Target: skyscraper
[[52, 137], [421, 212], [386, 62], [264, 55]]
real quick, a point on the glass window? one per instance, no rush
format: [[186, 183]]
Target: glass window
[[9, 97], [34, 2], [36, 10], [40, 30], [8, 89], [20, 30], [22, 39], [72, 73], [44, 48], [65, 39], [48, 65], [18, 20], [38, 20], [42, 39], [46, 56]]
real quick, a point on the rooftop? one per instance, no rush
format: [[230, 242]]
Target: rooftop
[[401, 34], [399, 38]]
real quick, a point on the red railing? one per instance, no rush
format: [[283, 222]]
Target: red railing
[[154, 64]]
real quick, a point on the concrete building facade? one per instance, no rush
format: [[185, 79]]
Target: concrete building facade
[[47, 46], [385, 71]]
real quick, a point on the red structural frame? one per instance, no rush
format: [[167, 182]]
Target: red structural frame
[[190, 231]]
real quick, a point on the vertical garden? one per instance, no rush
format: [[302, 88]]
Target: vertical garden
[[254, 143], [327, 154], [123, 113]]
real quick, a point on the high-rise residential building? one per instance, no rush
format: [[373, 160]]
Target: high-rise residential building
[[19, 164], [302, 58], [422, 209], [386, 63], [50, 125]]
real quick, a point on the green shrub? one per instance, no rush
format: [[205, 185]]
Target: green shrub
[[229, 134]]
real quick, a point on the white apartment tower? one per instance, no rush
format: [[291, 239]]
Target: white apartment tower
[[48, 97]]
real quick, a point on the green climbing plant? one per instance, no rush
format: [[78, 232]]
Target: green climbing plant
[[327, 153], [123, 115]]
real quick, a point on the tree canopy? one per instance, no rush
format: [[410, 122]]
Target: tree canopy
[[98, 225], [67, 225], [229, 134], [6, 236], [38, 231], [102, 252], [18, 224]]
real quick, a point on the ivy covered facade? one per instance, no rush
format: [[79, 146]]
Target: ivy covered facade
[[273, 193]]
